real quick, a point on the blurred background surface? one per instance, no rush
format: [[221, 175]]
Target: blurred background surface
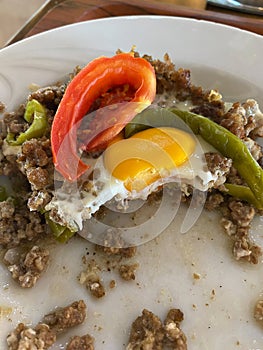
[[14, 14]]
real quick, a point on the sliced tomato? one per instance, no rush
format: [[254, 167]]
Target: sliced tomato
[[93, 82]]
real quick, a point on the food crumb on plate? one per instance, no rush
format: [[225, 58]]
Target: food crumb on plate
[[85, 342], [127, 272], [5, 311], [27, 267], [258, 311], [112, 284], [45, 333], [2, 107], [91, 278], [196, 276], [148, 331]]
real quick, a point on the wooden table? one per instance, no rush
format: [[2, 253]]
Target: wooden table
[[61, 12]]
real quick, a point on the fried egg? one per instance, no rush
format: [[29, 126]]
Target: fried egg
[[134, 168]]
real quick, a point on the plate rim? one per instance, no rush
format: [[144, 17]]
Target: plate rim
[[131, 17]]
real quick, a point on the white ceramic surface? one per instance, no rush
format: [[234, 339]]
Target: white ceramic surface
[[218, 307]]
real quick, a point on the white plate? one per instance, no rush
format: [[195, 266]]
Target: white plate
[[218, 307]]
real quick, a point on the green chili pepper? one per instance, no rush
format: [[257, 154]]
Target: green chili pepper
[[154, 117], [244, 193], [65, 236], [35, 114], [230, 146], [3, 194], [62, 233]]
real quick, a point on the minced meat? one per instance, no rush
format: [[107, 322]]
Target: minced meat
[[35, 161], [146, 332], [45, 333], [218, 165], [2, 107], [49, 96], [149, 333], [242, 119], [19, 225], [127, 272], [174, 336], [35, 152], [213, 110], [27, 268], [114, 244], [214, 200], [258, 311], [90, 277], [86, 342], [25, 338], [236, 223], [66, 317]]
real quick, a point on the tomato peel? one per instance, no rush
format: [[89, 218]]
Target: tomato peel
[[89, 84]]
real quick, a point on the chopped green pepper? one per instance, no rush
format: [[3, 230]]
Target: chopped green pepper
[[230, 146], [35, 114], [242, 192], [62, 233], [65, 236], [153, 117], [3, 194]]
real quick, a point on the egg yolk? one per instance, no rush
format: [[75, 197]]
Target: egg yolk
[[148, 156]]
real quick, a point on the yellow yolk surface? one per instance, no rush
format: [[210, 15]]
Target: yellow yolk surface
[[148, 155]]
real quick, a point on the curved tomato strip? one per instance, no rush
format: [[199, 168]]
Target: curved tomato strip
[[89, 84]]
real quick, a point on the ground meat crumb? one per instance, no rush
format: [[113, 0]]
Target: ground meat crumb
[[38, 200], [38, 177], [242, 214], [213, 110], [149, 333], [243, 120], [28, 267], [91, 279], [146, 332], [128, 252], [244, 249], [39, 338], [7, 209], [127, 272], [235, 120], [174, 336], [18, 225], [114, 244], [44, 335], [213, 201], [112, 284], [49, 96], [236, 223], [35, 153], [86, 342], [254, 148], [97, 289], [219, 166], [2, 107], [258, 311], [66, 317]]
